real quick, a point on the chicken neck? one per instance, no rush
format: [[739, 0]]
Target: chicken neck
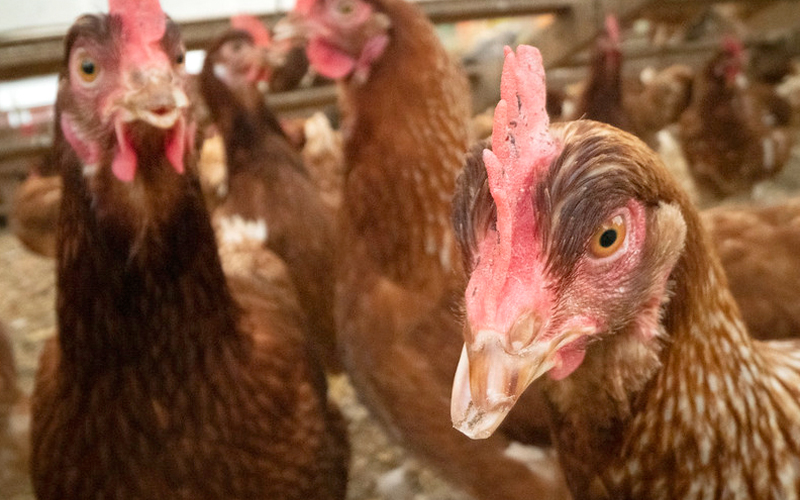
[[704, 408], [125, 292]]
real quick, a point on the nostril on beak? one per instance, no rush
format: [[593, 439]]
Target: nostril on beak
[[162, 110]]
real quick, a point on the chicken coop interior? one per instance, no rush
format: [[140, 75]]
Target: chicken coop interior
[[357, 251]]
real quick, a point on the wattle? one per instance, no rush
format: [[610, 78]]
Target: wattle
[[328, 60]]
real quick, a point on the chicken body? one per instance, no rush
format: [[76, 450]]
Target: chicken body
[[758, 249], [268, 184], [588, 263], [34, 213], [165, 379], [14, 428], [406, 118]]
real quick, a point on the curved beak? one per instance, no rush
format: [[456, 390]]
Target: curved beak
[[158, 101], [494, 371], [153, 96]]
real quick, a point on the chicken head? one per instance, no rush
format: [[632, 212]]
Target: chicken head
[[124, 80], [552, 272], [344, 37]]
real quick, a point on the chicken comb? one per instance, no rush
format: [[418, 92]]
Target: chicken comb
[[522, 147], [612, 28], [254, 27], [733, 46], [304, 6], [522, 150], [143, 26]]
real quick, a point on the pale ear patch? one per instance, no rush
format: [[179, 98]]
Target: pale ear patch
[[666, 241], [668, 230]]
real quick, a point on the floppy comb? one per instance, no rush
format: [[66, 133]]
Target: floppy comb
[[254, 27]]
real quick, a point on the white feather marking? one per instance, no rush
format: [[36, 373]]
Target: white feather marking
[[236, 229]]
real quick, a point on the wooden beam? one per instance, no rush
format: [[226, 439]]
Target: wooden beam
[[23, 55]]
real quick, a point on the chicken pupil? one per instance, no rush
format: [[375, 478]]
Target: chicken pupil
[[87, 67], [608, 238]]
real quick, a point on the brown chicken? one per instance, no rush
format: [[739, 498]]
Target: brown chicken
[[14, 425], [406, 118], [588, 264], [165, 379], [758, 247], [639, 107], [268, 187], [34, 213], [731, 134], [601, 98]]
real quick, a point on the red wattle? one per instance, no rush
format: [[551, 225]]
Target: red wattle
[[328, 60], [571, 357], [124, 163], [88, 152]]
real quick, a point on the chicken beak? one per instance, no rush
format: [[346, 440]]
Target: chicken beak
[[156, 100], [493, 373]]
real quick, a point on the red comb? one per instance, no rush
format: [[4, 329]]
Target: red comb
[[522, 152], [612, 28], [304, 6], [521, 141], [253, 26], [143, 26], [733, 46]]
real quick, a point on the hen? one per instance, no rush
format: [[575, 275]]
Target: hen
[[758, 249], [602, 95], [14, 419], [640, 107], [588, 264], [34, 213], [406, 117], [731, 134], [165, 379], [268, 185]]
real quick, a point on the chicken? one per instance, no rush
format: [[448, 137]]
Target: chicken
[[758, 249], [731, 137], [642, 107], [267, 182], [14, 419], [34, 213], [165, 380], [587, 263], [601, 98], [664, 94], [405, 125]]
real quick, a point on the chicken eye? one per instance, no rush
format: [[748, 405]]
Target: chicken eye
[[346, 7], [179, 60], [88, 70], [609, 237]]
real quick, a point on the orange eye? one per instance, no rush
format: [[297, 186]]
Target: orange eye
[[346, 7], [88, 69], [609, 237]]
